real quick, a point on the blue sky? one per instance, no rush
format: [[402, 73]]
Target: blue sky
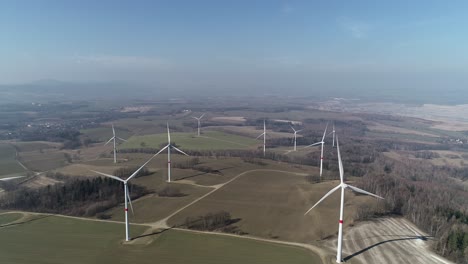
[[249, 43]]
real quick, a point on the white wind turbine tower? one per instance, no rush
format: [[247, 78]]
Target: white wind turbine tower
[[343, 186], [333, 132], [264, 137], [295, 136], [198, 119], [321, 150], [127, 195], [168, 147], [113, 138]]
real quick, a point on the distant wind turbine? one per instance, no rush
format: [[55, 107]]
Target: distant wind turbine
[[168, 147], [127, 195], [113, 138], [264, 137], [333, 132], [295, 136], [343, 186], [321, 150], [198, 119]]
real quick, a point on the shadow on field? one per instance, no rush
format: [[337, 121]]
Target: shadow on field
[[24, 222], [152, 233], [203, 173], [424, 238]]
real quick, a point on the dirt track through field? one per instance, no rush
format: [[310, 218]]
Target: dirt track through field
[[387, 240], [163, 222]]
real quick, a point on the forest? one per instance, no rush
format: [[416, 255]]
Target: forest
[[77, 197]]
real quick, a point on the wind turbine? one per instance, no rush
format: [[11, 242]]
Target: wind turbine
[[321, 150], [127, 195], [295, 136], [168, 147], [264, 137], [343, 186], [333, 132], [113, 138], [198, 119]]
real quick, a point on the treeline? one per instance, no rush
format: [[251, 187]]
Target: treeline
[[69, 137], [424, 195], [83, 197], [357, 157], [221, 221]]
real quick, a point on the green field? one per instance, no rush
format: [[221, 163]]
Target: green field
[[209, 140], [8, 218], [103, 134], [48, 160], [8, 163], [35, 146], [54, 239]]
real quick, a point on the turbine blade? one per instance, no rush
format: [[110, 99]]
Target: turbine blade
[[260, 136], [180, 151], [122, 139], [113, 130], [129, 199], [11, 178], [356, 189], [109, 141], [293, 129], [315, 144], [340, 163], [201, 116], [108, 175], [168, 134], [195, 117], [323, 198], [299, 130], [139, 169], [325, 132]]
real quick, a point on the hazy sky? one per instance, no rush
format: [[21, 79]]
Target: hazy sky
[[236, 43]]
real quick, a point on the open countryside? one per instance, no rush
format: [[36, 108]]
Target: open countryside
[[233, 132]]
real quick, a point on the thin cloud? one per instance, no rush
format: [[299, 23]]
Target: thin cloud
[[122, 61], [356, 29], [287, 9]]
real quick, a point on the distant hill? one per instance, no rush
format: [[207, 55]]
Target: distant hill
[[53, 90]]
